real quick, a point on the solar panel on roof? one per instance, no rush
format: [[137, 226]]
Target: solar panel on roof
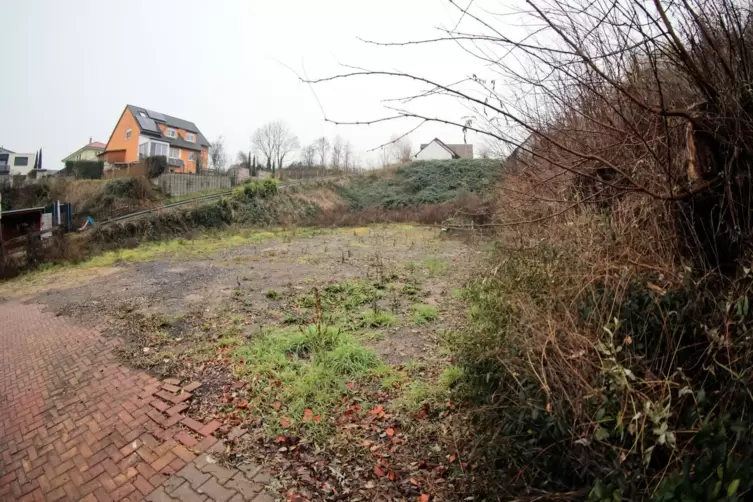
[[147, 124], [156, 116]]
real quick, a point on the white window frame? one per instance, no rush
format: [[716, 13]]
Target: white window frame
[[171, 133], [190, 137], [177, 153], [143, 114], [192, 156], [153, 143], [128, 134]]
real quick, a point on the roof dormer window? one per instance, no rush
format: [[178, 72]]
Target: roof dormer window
[[190, 137], [171, 133]]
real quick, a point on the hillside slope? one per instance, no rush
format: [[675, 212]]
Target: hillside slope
[[420, 183]]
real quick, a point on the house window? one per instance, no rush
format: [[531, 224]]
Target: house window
[[143, 151], [190, 137], [171, 133], [128, 134], [192, 156], [21, 161], [174, 153], [159, 149], [143, 113]]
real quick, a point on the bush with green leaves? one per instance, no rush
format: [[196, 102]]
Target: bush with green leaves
[[617, 389], [255, 189], [420, 183], [156, 165], [84, 169]]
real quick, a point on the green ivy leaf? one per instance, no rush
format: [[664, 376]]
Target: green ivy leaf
[[732, 488], [600, 434]]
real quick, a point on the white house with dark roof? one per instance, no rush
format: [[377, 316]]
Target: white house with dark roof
[[438, 150]]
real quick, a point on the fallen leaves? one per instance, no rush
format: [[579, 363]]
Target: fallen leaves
[[285, 422], [308, 416], [423, 497], [378, 471], [378, 411], [390, 432]]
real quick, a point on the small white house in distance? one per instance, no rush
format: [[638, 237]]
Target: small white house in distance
[[438, 150], [22, 163]]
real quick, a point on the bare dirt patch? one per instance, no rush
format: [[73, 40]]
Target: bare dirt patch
[[327, 301]]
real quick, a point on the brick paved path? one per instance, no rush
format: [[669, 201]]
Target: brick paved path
[[76, 425]]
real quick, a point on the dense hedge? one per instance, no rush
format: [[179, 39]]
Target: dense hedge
[[420, 183], [84, 169]]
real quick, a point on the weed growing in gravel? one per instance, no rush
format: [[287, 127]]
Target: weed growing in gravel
[[435, 266], [273, 295], [293, 370], [423, 314], [377, 319]]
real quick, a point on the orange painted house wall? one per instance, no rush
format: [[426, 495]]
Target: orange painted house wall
[[190, 166], [118, 139]]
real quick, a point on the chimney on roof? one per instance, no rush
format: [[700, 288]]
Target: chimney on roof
[[90, 140]]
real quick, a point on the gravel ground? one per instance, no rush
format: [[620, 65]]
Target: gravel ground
[[179, 285]]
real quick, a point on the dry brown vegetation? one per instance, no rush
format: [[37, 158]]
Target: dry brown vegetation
[[611, 353]]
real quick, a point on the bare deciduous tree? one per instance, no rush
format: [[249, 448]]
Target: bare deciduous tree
[[308, 156], [217, 154], [275, 141], [322, 149], [401, 148], [337, 151], [348, 160], [385, 157]]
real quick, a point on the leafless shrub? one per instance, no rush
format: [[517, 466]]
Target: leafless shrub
[[618, 297]]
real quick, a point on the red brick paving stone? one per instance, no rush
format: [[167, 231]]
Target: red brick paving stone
[[67, 409], [163, 461], [142, 485], [210, 428], [171, 388], [205, 444], [171, 381], [161, 405], [191, 386], [173, 398], [170, 421], [187, 439], [176, 409], [193, 424], [123, 491], [183, 453]]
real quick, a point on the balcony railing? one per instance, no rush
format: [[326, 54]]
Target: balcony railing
[[4, 168]]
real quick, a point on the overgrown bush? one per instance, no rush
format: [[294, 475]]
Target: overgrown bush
[[84, 169], [253, 189], [156, 165], [420, 183]]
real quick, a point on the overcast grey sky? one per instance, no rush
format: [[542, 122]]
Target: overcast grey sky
[[70, 67]]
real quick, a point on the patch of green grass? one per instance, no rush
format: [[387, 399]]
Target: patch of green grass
[[450, 377], [435, 266], [378, 319], [346, 295], [183, 248], [272, 294], [304, 369], [423, 314]]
